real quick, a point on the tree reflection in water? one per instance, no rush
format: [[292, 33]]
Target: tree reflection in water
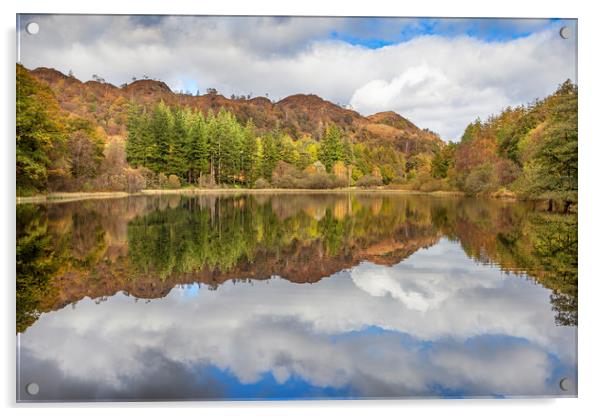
[[145, 246]]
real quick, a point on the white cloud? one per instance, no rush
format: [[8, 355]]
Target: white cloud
[[439, 82]]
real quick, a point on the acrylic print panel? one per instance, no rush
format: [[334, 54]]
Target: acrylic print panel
[[254, 208]]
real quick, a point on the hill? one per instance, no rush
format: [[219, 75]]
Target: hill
[[297, 115]]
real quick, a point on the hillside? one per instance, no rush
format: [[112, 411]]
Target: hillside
[[297, 115]]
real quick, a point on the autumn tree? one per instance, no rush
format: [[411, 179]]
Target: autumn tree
[[85, 145], [443, 161], [40, 134], [552, 174]]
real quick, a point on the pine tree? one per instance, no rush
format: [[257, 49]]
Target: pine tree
[[161, 130], [231, 147], [177, 161], [134, 145], [270, 155], [347, 151], [213, 144], [147, 143], [331, 148], [198, 156], [249, 152], [287, 149]]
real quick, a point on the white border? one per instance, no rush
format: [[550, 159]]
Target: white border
[[590, 155]]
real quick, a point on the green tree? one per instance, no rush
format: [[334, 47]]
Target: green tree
[[553, 172], [443, 160], [136, 143], [348, 156], [270, 155], [331, 147], [177, 162], [249, 153], [162, 137], [231, 158], [40, 133], [198, 156]]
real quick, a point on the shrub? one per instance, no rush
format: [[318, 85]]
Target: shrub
[[150, 179], [134, 181], [108, 182], [338, 182], [319, 180], [418, 180], [285, 175], [315, 167], [261, 183], [356, 173], [340, 170], [369, 181], [433, 185], [286, 181], [503, 193], [283, 168], [161, 180], [206, 181], [480, 180], [388, 174], [376, 173], [506, 171], [115, 157], [173, 182]]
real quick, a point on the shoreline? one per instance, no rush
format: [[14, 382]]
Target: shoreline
[[58, 197]]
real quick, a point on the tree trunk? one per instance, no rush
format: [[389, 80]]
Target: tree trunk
[[550, 205], [567, 205]]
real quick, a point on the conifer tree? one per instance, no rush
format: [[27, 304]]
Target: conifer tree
[[198, 157], [331, 148], [249, 152], [270, 155], [134, 144], [177, 160], [161, 130]]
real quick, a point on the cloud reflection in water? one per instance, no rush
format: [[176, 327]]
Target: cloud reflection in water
[[435, 324]]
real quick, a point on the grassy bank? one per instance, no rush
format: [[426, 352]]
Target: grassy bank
[[69, 196], [76, 196]]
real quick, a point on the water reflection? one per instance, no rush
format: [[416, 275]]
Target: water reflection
[[411, 296]]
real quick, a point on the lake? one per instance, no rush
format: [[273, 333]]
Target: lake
[[295, 296]]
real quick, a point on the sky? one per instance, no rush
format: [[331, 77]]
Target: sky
[[439, 73]]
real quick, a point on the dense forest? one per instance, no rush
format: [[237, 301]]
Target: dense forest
[[528, 150], [101, 140]]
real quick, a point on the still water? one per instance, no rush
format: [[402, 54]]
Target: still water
[[295, 296]]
